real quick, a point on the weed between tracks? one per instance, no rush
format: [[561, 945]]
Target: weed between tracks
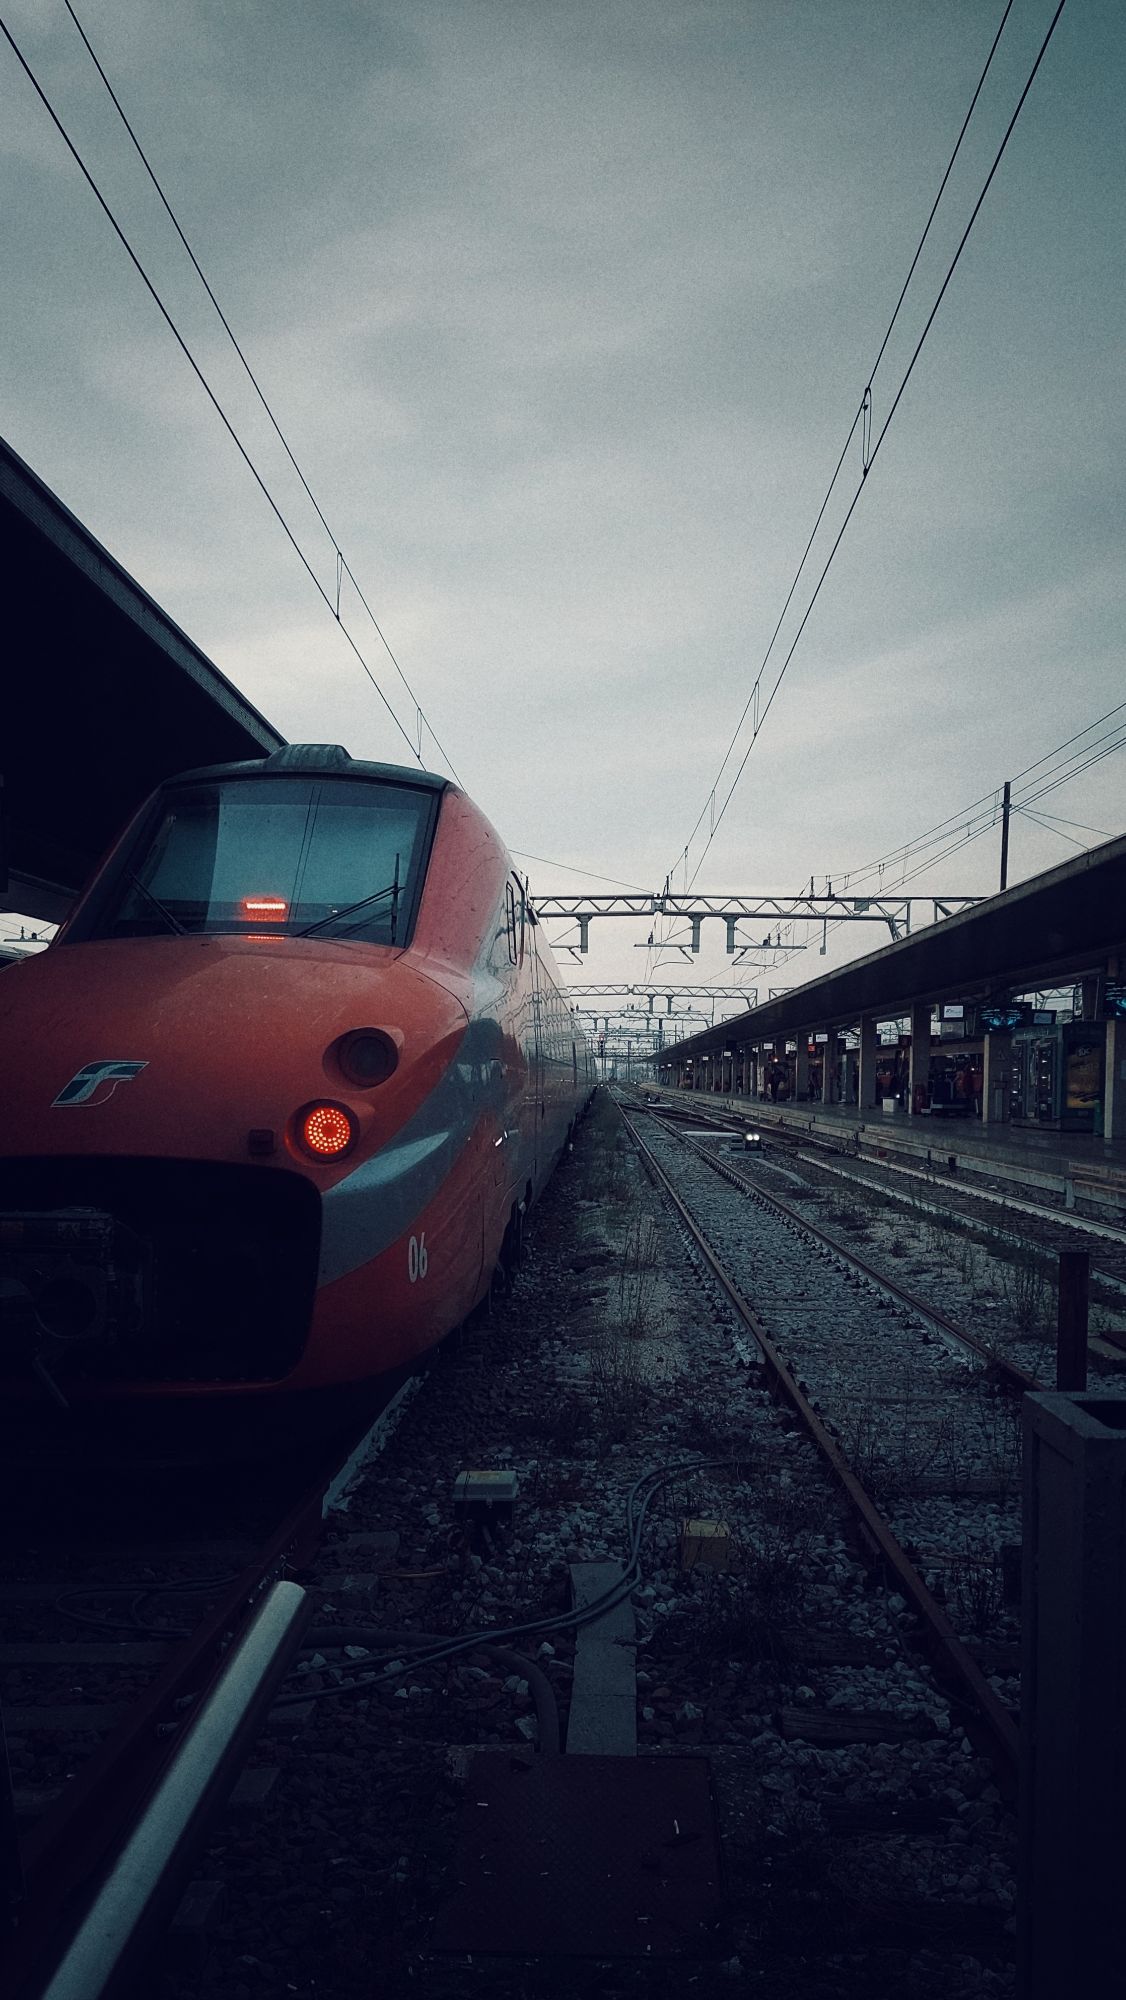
[[1029, 1292], [625, 1359], [978, 1588], [852, 1220], [609, 1165], [743, 1614]]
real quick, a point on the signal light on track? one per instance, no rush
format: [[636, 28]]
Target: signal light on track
[[325, 1130], [264, 909]]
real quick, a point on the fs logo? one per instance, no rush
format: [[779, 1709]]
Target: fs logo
[[96, 1082]]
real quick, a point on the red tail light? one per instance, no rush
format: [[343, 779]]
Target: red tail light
[[264, 909], [325, 1130]]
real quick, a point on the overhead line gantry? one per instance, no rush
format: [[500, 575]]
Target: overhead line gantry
[[897, 912]]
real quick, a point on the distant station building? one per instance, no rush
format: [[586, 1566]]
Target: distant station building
[[951, 1024]]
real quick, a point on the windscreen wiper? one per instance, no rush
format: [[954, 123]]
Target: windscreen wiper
[[364, 903], [173, 923]]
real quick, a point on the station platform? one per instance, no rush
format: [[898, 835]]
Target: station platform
[[1077, 1167]]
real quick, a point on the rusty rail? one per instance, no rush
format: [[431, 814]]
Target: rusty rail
[[1013, 1377], [75, 1841], [951, 1658]]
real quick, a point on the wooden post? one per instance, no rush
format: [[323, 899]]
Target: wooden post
[[1071, 1320]]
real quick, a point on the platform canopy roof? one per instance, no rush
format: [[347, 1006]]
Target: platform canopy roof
[[104, 696], [1048, 931]]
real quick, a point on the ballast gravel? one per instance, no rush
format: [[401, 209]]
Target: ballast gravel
[[851, 1868], [916, 1414]]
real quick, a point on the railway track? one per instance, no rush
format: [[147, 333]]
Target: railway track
[[937, 1505], [991, 1207], [116, 1643], [1008, 1371], [855, 1812]]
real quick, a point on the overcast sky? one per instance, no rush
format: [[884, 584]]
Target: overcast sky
[[566, 310]]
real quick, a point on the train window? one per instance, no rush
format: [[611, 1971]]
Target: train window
[[330, 858], [514, 914]]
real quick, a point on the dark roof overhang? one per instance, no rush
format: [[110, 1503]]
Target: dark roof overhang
[[105, 697], [1049, 930]]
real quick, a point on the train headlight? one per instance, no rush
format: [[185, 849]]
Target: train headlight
[[326, 1131], [366, 1057]]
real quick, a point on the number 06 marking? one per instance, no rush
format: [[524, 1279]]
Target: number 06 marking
[[417, 1259]]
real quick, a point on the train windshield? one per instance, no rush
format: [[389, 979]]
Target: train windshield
[[296, 856]]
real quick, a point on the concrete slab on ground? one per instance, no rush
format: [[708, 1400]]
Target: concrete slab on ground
[[603, 1715], [599, 1857]]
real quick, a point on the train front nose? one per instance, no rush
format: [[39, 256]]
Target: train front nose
[[191, 1103]]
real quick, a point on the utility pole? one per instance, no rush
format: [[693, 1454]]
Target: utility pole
[[1005, 835]]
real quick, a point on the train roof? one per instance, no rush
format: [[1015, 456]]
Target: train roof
[[308, 760]]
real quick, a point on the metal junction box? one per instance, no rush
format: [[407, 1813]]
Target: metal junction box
[[1072, 1859], [485, 1496], [705, 1542]]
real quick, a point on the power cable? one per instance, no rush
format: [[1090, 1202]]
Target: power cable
[[981, 817], [1065, 779], [1039, 820], [1059, 820], [871, 456], [990, 801], [975, 824], [196, 369], [229, 330], [1096, 724], [428, 1652], [863, 415], [568, 868]]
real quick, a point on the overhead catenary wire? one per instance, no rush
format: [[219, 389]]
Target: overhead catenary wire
[[984, 823], [870, 456], [569, 868], [170, 322], [1060, 820], [863, 415], [988, 802], [342, 560], [961, 829], [1039, 820], [974, 824]]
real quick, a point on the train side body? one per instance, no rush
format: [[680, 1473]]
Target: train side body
[[165, 1227]]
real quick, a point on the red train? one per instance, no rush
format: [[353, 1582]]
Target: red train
[[278, 1096]]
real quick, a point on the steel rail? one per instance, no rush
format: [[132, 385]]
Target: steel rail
[[1013, 1377], [73, 1841], [951, 1658], [1054, 1218], [140, 1887], [1071, 1226], [842, 1147]]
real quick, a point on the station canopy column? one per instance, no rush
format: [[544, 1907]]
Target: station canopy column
[[996, 1078], [801, 1068], [918, 1073], [869, 1057], [1114, 1073], [829, 1072]]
